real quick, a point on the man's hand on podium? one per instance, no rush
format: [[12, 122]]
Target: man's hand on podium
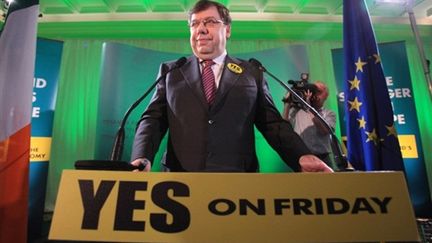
[[311, 163], [142, 161]]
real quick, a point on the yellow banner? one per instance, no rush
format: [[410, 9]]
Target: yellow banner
[[408, 146], [40, 149], [209, 207]]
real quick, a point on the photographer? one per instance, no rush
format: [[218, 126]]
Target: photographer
[[310, 129]]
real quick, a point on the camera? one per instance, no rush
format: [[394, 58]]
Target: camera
[[300, 87]]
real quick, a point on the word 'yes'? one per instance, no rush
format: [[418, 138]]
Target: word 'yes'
[[126, 204]]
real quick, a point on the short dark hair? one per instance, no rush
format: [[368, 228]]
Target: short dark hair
[[205, 4]]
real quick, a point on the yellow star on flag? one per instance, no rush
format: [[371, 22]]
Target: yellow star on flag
[[355, 84], [372, 136], [362, 123], [377, 58], [359, 64], [355, 105], [391, 130]]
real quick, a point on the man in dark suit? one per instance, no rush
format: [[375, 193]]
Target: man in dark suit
[[210, 106]]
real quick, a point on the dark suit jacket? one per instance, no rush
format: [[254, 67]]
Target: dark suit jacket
[[220, 137]]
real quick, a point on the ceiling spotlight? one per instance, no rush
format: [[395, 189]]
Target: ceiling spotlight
[[395, 2]]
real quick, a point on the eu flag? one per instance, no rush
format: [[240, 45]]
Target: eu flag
[[372, 137]]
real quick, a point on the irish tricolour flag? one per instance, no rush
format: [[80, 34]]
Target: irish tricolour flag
[[17, 61]]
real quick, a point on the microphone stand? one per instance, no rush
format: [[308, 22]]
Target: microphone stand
[[339, 158], [117, 150], [115, 162]]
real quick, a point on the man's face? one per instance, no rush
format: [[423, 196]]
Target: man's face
[[320, 97], [208, 41]]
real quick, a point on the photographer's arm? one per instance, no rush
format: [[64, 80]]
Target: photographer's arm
[[329, 117], [321, 128], [287, 106]]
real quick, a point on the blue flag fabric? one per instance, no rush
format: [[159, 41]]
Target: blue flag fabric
[[372, 138]]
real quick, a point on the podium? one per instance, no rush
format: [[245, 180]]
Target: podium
[[110, 206]]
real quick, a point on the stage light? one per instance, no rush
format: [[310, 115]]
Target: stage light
[[398, 2], [401, 2]]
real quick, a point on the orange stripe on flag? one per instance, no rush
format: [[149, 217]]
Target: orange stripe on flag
[[14, 173]]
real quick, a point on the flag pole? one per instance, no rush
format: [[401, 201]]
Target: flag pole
[[419, 43]]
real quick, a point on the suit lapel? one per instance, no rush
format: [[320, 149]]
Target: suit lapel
[[228, 79], [192, 74]]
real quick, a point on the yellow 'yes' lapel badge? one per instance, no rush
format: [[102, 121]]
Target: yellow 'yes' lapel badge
[[234, 68]]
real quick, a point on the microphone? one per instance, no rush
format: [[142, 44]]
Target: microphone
[[339, 158], [115, 162], [117, 150]]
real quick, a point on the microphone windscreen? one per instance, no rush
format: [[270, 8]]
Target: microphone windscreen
[[257, 64], [180, 62]]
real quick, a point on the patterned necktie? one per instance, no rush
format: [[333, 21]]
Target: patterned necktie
[[208, 79]]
